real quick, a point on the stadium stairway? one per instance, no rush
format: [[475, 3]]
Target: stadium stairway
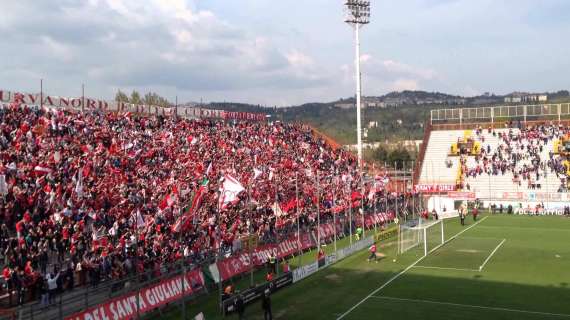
[[434, 170]]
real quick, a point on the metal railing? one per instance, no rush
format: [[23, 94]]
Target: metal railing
[[494, 114], [81, 298]]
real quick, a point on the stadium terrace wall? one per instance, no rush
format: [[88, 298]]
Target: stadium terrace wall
[[85, 103]]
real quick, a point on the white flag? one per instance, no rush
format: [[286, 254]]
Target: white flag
[[3, 185], [79, 185], [229, 191], [256, 173], [136, 217], [277, 210]]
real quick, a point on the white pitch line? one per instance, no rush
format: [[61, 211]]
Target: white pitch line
[[492, 253], [477, 307], [481, 238], [444, 268], [405, 270]]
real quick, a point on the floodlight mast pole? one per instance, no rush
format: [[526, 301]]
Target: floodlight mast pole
[[358, 94], [358, 13]]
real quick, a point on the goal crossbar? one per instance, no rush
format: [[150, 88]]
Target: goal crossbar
[[421, 234]]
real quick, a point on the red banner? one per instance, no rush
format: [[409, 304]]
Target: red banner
[[240, 263], [513, 196], [150, 298], [434, 188], [461, 195], [371, 219]]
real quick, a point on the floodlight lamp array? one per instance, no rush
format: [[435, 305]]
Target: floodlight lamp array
[[358, 11]]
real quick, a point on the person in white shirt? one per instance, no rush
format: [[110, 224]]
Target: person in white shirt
[[52, 286]]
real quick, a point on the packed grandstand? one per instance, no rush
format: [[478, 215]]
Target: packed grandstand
[[511, 163], [96, 196]]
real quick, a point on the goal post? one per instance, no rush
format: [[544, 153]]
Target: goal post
[[420, 236]]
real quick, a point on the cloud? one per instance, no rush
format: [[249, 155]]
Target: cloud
[[150, 44], [57, 49], [404, 84], [400, 68], [383, 75], [270, 52]]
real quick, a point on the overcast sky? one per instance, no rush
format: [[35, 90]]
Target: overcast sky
[[282, 52]]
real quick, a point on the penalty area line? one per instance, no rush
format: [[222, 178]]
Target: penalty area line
[[445, 268], [492, 253], [475, 306], [406, 270]]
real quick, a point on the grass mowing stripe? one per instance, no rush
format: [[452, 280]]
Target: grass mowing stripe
[[444, 268], [406, 270], [527, 228], [492, 253], [475, 306]]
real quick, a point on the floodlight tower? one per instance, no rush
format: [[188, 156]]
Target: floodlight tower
[[357, 14]]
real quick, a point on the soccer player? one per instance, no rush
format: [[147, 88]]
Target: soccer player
[[462, 214], [475, 213], [372, 250]]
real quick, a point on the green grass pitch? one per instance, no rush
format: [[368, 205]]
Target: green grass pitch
[[502, 267]]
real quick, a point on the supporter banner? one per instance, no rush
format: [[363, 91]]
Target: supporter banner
[[434, 188], [150, 298], [85, 103], [513, 195], [371, 219], [536, 196], [458, 195], [326, 231], [241, 263]]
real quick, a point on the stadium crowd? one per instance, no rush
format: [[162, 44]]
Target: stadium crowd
[[93, 196], [522, 153]]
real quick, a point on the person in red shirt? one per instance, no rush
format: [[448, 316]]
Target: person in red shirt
[[372, 250], [320, 254], [286, 267]]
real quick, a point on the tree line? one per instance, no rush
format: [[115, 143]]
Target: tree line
[[150, 98]]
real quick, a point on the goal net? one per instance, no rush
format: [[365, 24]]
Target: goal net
[[420, 236]]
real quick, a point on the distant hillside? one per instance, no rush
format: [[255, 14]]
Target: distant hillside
[[393, 123], [395, 116]]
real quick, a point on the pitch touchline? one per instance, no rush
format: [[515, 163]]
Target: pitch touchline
[[406, 270], [492, 253], [474, 306]]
